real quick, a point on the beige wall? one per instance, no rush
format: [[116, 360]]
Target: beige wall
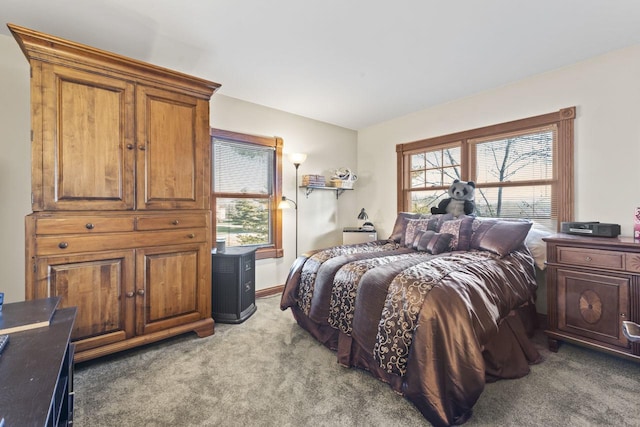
[[15, 166], [606, 92], [321, 216]]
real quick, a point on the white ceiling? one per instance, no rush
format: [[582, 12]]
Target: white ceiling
[[352, 63]]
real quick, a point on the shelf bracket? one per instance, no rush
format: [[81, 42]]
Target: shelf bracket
[[307, 191]]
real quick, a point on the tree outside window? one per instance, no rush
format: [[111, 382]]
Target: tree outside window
[[433, 172], [515, 175]]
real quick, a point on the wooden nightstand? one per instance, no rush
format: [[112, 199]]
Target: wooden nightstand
[[593, 284]]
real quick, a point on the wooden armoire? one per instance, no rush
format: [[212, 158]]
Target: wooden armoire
[[121, 222]]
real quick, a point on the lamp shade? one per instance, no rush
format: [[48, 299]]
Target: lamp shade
[[363, 214], [297, 158], [286, 203]]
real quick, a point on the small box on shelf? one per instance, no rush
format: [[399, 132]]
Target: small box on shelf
[[341, 183]]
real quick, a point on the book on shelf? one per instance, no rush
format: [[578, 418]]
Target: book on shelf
[[22, 316], [313, 181]]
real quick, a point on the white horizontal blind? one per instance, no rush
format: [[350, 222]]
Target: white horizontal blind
[[242, 188], [515, 175], [242, 168]]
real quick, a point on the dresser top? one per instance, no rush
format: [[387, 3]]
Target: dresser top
[[29, 369], [620, 242]]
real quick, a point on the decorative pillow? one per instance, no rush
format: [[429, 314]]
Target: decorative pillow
[[500, 236], [461, 229], [401, 222], [436, 221], [416, 239], [413, 226], [434, 243]]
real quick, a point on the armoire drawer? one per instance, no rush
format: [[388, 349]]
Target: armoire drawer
[[62, 244], [84, 224], [170, 222]]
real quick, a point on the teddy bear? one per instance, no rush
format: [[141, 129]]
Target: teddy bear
[[460, 200]]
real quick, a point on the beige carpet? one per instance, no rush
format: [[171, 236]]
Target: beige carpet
[[268, 372]]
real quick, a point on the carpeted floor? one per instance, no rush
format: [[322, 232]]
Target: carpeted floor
[[269, 372]]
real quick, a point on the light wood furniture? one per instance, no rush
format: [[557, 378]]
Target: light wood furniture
[[593, 285], [121, 175], [40, 392]]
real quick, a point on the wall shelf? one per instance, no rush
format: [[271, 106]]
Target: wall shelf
[[309, 189]]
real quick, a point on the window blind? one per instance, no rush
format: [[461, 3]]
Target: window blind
[[242, 168]]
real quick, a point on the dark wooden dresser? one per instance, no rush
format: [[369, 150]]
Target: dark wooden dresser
[[36, 374], [593, 284]]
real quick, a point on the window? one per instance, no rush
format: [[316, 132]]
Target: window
[[432, 172], [247, 180], [522, 169]]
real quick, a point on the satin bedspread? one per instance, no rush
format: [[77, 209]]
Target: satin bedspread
[[436, 328]]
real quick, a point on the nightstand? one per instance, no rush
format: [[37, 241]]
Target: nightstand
[[593, 284], [351, 235]]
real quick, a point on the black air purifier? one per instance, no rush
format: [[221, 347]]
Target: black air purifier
[[233, 284]]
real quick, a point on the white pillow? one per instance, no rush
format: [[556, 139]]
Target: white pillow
[[536, 245]]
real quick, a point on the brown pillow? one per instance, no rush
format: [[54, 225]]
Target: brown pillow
[[416, 239], [500, 236], [461, 229], [434, 243], [401, 222], [436, 221], [413, 226]]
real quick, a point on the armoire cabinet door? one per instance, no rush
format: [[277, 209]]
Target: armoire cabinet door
[[171, 282], [173, 150], [101, 286], [87, 138]]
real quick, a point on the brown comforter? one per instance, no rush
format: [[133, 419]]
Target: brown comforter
[[435, 327]]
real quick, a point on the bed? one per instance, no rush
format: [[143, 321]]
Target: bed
[[436, 311]]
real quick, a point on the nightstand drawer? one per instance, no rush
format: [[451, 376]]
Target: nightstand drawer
[[591, 257], [632, 262], [353, 236]]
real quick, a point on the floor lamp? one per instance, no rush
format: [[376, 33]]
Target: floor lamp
[[297, 159]]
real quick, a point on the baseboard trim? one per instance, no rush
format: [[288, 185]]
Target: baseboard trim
[[267, 292]]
